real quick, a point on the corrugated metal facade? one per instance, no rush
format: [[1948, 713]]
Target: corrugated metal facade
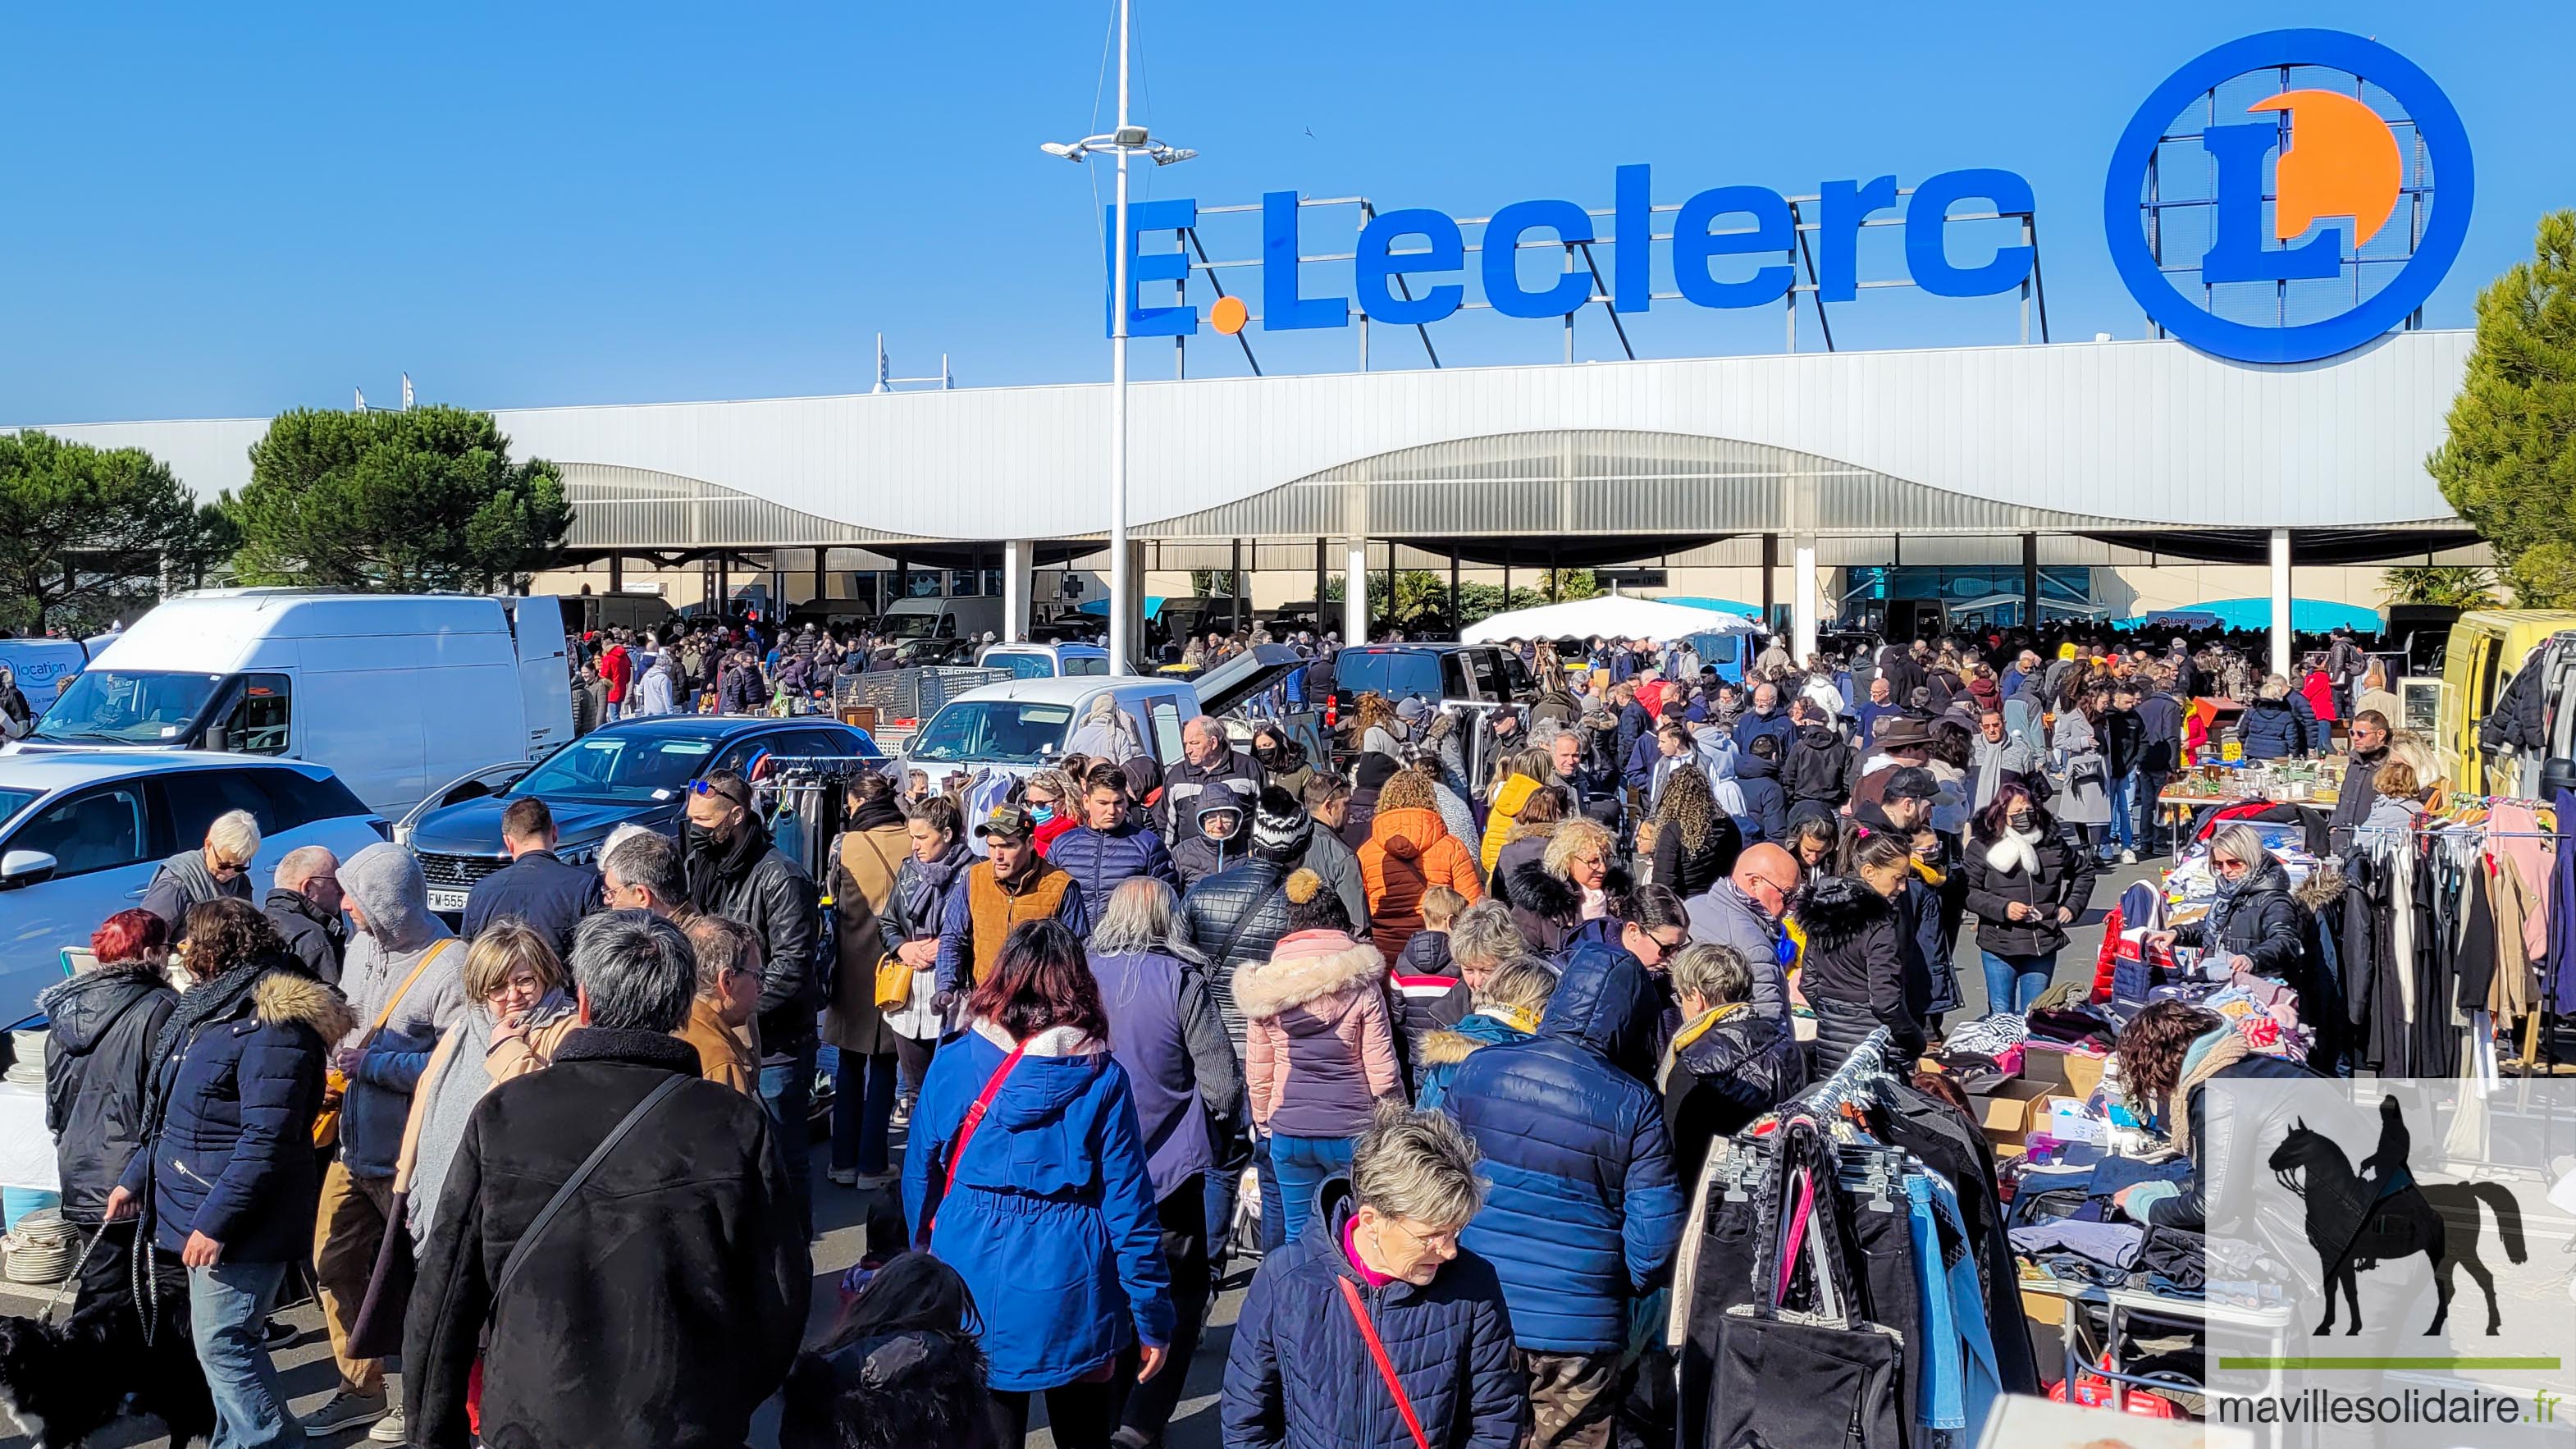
[[1961, 438]]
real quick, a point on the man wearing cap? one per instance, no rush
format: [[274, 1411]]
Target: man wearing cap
[[1011, 885], [1904, 801]]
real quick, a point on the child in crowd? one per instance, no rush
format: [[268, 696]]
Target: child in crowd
[[1429, 995]]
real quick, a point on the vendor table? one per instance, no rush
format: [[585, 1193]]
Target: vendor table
[[2118, 1305], [26, 1148]]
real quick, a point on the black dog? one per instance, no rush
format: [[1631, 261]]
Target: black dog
[[63, 1384]]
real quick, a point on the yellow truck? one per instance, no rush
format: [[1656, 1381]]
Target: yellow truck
[[2488, 648]]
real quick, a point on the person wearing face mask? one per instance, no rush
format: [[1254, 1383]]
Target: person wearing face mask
[[733, 871], [1053, 804], [2026, 886]]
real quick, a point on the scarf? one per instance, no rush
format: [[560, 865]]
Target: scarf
[[2213, 1053], [1691, 1033], [196, 883], [461, 1084], [198, 1004], [2016, 851]]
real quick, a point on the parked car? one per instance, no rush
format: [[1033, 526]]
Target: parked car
[[1484, 673], [1045, 661], [83, 831], [1022, 725], [633, 771], [392, 692]]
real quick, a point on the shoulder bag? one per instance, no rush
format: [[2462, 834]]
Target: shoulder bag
[[335, 1090], [966, 1126], [1385, 1368], [1814, 1378]]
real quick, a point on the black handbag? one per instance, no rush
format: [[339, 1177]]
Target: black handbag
[[1803, 1378]]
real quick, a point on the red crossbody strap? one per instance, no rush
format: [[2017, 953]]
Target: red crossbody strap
[[966, 1131], [1385, 1370]]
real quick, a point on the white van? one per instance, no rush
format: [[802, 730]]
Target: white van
[[394, 693], [966, 616]]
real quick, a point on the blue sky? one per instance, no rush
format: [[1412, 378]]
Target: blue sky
[[233, 210]]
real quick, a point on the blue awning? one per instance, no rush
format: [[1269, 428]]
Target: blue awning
[[1099, 608], [2307, 616]]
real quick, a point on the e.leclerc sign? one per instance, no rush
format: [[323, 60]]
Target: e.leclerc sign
[[2339, 161], [1755, 221]]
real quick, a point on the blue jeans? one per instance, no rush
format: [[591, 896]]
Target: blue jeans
[[786, 1090], [1939, 1396], [2124, 805], [1300, 1165], [228, 1312], [2014, 982], [862, 1111]]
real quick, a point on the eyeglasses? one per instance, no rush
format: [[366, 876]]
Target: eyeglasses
[[2225, 866], [710, 787], [228, 868]]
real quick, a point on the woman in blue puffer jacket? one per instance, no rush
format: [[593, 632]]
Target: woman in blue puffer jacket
[[1046, 1204], [226, 1178], [2278, 723], [1301, 1374]]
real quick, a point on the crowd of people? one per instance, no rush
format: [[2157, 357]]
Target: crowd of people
[[1441, 1033]]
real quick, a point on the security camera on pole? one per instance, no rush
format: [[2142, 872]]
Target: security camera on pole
[[1127, 140]]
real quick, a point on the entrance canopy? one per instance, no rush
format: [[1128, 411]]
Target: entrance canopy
[[1612, 616], [2307, 616]]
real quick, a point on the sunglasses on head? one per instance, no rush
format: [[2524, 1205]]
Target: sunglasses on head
[[710, 787]]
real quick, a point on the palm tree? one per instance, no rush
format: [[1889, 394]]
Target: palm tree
[[2460, 586]]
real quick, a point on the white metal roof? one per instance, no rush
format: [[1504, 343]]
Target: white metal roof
[[2144, 431]]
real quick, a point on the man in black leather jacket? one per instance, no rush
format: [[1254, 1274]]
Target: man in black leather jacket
[[734, 871]]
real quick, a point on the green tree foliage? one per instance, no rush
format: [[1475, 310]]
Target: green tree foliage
[[1422, 598], [2461, 587], [2509, 463], [87, 535], [424, 499]]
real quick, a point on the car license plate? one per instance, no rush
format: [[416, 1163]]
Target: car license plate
[[447, 900]]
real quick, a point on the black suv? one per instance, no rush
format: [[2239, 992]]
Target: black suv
[[1483, 673]]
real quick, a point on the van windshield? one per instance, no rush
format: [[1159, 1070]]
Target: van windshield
[[616, 767], [1394, 673], [908, 626], [1007, 731], [121, 708]]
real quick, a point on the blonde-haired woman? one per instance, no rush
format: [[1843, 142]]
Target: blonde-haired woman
[[521, 1010], [1571, 883]]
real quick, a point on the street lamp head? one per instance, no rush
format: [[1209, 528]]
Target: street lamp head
[[1129, 136], [1070, 151], [1170, 155]]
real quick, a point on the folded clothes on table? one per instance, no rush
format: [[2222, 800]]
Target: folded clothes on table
[[2112, 1244]]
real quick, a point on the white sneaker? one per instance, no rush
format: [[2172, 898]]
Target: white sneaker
[[844, 1176], [2128, 857], [389, 1429]]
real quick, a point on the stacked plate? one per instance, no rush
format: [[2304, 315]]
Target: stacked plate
[[26, 1059], [40, 1249]]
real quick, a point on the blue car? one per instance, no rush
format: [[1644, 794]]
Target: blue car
[[634, 771]]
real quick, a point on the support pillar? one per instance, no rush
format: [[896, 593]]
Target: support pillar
[[1355, 592], [2030, 583], [1320, 581], [1770, 577], [1018, 555], [822, 582], [902, 581], [1454, 625], [1234, 583], [2281, 602], [1802, 597], [617, 573], [1390, 583], [1133, 603]]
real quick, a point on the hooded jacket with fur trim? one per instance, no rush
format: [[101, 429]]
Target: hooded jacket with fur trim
[[1319, 1045], [228, 1136], [1854, 971]]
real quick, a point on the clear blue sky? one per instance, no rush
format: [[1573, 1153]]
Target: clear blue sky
[[228, 210]]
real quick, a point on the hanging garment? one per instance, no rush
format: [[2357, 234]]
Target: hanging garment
[[2561, 992]]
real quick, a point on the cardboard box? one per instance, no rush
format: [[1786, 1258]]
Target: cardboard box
[[2070, 1074], [2006, 1112]]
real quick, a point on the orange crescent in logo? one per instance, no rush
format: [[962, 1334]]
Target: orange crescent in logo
[[1229, 315], [2341, 160]]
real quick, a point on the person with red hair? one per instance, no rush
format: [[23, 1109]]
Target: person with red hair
[[100, 1026], [1027, 1174]]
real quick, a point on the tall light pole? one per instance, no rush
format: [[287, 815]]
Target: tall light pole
[[1127, 140]]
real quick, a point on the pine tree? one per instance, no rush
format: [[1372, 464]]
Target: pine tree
[[2509, 464]]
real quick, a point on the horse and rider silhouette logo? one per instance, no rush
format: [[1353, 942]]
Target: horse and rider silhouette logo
[[2359, 1218]]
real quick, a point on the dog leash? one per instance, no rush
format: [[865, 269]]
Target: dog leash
[[73, 1277]]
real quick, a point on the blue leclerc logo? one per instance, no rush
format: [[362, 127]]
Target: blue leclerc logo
[[2311, 187]]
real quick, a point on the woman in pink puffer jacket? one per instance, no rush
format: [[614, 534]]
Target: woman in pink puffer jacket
[[1320, 1050]]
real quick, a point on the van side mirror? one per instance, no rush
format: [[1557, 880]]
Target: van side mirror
[[219, 740], [2557, 773], [26, 868]]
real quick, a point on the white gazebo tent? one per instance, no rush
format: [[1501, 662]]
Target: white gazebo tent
[[1611, 616]]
